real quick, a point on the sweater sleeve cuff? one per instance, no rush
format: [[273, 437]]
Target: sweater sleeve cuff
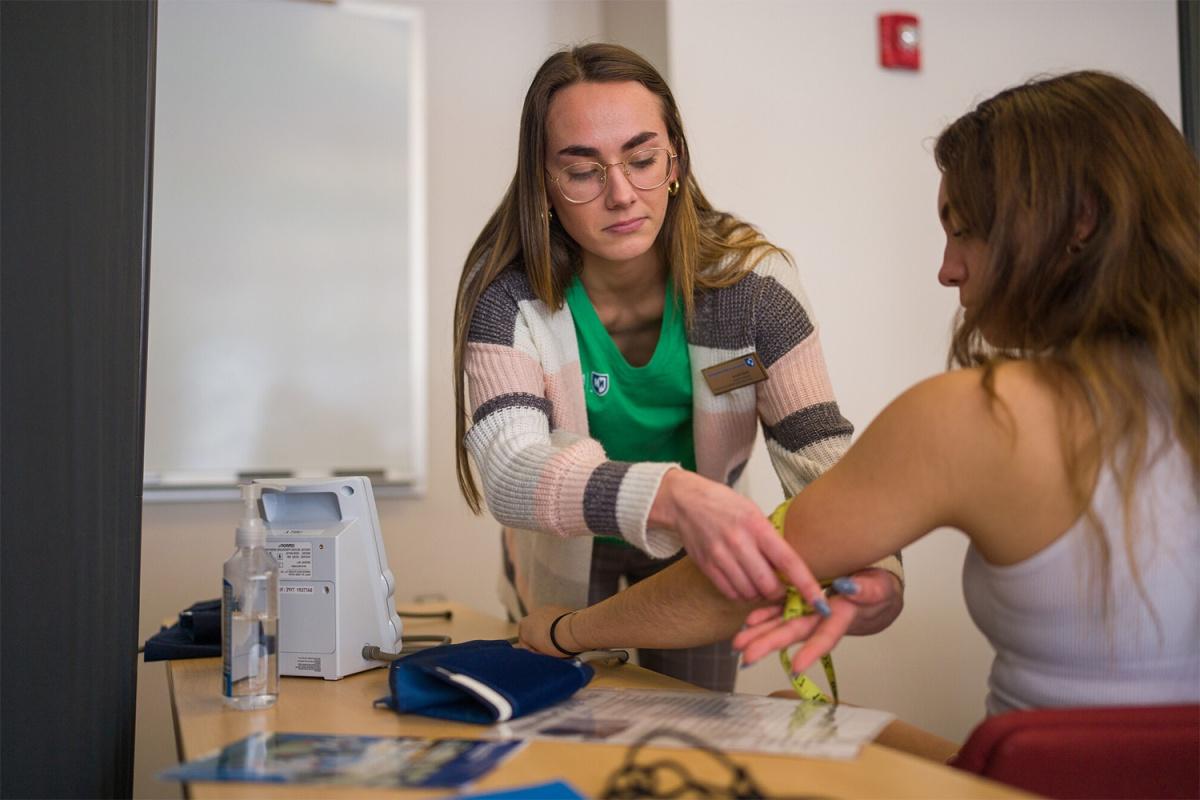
[[638, 491]]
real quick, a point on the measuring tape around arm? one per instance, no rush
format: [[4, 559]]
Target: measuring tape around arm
[[795, 606]]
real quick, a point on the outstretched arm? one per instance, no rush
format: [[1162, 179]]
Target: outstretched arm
[[891, 488], [945, 453], [675, 608], [680, 608]]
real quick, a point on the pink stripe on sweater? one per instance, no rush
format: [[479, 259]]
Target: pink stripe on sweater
[[564, 390], [494, 369], [798, 380], [723, 440], [558, 496]]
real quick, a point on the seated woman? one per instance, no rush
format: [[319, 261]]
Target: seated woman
[[1066, 448]]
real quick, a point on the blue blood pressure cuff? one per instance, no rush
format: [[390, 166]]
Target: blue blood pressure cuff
[[481, 682], [197, 634]]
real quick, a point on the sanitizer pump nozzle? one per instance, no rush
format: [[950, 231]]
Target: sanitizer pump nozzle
[[251, 531], [250, 612]]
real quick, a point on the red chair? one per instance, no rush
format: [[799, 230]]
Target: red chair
[[1134, 752]]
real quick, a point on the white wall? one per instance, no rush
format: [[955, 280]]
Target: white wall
[[640, 25], [794, 126]]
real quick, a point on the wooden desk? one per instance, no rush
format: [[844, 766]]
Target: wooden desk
[[310, 705]]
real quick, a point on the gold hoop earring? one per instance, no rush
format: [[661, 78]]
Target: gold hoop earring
[[673, 189]]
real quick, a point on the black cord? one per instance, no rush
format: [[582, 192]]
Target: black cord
[[668, 778]]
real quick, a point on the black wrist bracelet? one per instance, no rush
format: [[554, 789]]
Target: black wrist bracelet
[[554, 641]]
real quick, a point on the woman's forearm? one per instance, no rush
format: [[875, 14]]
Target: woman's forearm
[[679, 607], [676, 608]]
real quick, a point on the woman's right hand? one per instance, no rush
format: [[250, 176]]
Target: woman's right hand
[[731, 540]]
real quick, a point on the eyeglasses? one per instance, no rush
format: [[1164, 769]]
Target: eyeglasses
[[585, 181]]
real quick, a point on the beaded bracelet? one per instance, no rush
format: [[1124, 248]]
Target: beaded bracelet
[[554, 641]]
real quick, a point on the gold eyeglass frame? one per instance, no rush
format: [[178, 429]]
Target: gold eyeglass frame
[[555, 179]]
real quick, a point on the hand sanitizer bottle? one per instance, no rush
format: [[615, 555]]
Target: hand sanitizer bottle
[[250, 614]]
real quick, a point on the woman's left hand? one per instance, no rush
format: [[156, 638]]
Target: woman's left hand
[[534, 631], [766, 631]]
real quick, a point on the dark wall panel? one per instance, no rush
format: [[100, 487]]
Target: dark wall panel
[[1189, 68], [76, 89]]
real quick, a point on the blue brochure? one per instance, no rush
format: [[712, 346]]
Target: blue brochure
[[377, 761], [550, 790]]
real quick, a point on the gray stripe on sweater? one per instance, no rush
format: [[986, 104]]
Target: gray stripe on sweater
[[755, 313], [600, 497], [809, 426], [495, 316], [512, 400]]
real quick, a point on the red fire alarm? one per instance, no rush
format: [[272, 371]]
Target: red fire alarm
[[899, 41]]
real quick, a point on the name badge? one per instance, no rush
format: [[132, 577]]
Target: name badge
[[734, 373]]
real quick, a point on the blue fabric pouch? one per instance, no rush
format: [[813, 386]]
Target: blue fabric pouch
[[481, 682], [197, 634]]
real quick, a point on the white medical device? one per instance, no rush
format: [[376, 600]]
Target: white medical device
[[335, 588]]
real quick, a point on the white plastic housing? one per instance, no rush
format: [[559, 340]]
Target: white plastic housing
[[335, 588]]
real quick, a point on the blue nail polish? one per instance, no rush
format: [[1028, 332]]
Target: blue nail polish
[[845, 586], [822, 607]]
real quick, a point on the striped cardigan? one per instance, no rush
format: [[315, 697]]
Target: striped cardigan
[[552, 487]]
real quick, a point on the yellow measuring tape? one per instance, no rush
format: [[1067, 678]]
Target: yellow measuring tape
[[795, 606]]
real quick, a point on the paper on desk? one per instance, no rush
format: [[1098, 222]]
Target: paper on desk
[[730, 722]]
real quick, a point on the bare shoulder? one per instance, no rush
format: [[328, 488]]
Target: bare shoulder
[[997, 441], [1015, 393], [975, 450], [980, 428]]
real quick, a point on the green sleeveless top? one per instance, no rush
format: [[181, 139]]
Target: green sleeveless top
[[636, 413]]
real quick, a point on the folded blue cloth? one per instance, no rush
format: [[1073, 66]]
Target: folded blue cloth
[[481, 682]]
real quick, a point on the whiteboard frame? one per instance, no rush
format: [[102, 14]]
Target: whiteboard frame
[[181, 486]]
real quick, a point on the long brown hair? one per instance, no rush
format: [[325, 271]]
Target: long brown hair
[[703, 248], [1089, 309]]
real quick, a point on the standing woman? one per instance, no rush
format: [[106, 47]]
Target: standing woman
[[590, 306]]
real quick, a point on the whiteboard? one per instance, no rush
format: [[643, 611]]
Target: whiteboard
[[287, 272]]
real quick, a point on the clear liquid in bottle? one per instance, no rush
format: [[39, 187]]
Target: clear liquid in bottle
[[254, 675], [250, 630]]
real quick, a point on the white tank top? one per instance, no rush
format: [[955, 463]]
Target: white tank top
[[1044, 616]]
